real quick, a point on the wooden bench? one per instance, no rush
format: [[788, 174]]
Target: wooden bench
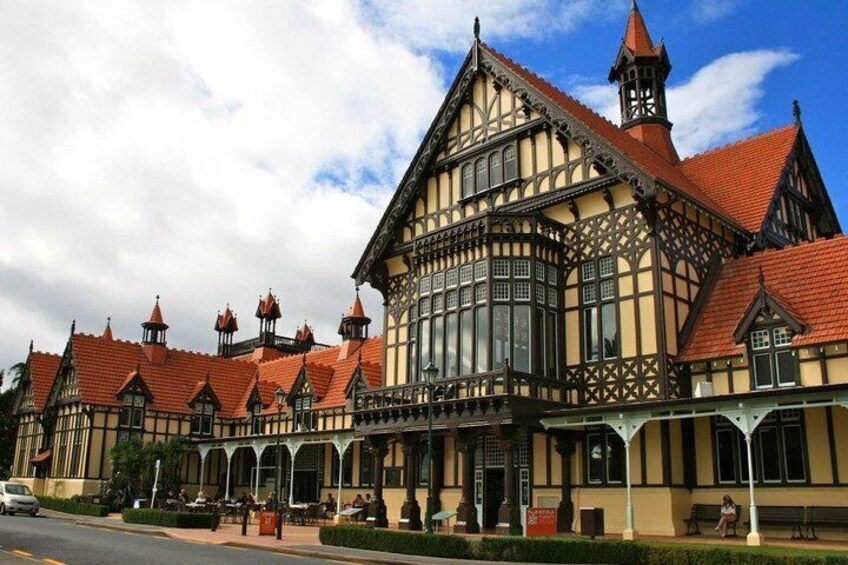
[[833, 516], [781, 516], [710, 513]]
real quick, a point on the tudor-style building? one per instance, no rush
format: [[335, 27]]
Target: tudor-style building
[[613, 327], [567, 275]]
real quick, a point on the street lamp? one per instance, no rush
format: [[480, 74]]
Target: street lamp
[[280, 397], [431, 373]]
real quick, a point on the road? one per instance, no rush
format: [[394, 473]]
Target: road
[[25, 540]]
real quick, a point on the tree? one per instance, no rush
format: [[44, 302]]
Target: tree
[[8, 432], [19, 370], [134, 468]]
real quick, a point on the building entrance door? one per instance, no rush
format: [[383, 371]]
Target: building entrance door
[[493, 497]]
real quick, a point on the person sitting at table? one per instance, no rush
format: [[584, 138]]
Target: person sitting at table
[[331, 503], [182, 497], [358, 502], [201, 498], [367, 499]]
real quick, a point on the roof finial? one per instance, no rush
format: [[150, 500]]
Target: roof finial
[[207, 376], [108, 321], [157, 299], [30, 347], [476, 28], [634, 7], [73, 327], [796, 112]]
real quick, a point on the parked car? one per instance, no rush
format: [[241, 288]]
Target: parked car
[[17, 498]]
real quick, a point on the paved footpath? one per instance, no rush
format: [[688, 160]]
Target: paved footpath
[[297, 542]]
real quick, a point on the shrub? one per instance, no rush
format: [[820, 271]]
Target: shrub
[[72, 506], [365, 537], [155, 517], [563, 550]]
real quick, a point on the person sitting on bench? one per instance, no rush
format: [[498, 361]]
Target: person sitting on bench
[[728, 515]]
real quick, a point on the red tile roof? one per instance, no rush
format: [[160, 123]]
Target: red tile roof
[[103, 366], [810, 280], [156, 315], [325, 370], [637, 38], [268, 307], [42, 370], [226, 322], [649, 160], [742, 176]]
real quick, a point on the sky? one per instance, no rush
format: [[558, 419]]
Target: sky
[[206, 150]]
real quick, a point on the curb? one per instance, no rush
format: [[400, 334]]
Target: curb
[[116, 528], [322, 555]]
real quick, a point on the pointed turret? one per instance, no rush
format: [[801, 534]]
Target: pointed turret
[[107, 331], [353, 328], [226, 325], [268, 312], [304, 334], [640, 69], [153, 338]]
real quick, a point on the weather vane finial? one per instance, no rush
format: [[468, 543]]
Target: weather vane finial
[[796, 112], [476, 28]]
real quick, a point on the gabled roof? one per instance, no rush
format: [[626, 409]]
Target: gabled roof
[[103, 366], [812, 274], [42, 372], [766, 300], [134, 380], [742, 177], [325, 371], [204, 388], [640, 154]]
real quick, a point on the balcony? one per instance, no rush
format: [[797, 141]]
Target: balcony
[[503, 396], [278, 342]]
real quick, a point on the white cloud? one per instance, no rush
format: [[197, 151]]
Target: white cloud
[[716, 105], [707, 11], [205, 151], [202, 151], [447, 24]]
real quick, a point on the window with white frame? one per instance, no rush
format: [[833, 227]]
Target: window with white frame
[[774, 363]]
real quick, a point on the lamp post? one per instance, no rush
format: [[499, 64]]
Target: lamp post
[[280, 397], [431, 373]]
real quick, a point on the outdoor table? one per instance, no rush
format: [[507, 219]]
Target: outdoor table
[[194, 506], [298, 512], [350, 513], [444, 515]]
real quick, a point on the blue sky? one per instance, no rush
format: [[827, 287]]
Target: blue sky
[[205, 151], [698, 33]]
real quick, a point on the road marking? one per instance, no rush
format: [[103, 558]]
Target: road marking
[[22, 552], [52, 561]]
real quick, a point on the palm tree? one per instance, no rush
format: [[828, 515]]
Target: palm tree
[[20, 372]]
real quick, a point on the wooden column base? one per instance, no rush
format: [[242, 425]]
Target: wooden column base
[[410, 516], [377, 515], [509, 520], [466, 519], [565, 517]]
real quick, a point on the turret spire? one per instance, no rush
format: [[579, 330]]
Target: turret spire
[[640, 69]]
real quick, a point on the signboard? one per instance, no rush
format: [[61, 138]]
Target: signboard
[[267, 523], [541, 521]]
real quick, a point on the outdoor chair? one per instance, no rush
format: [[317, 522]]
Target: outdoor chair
[[310, 517]]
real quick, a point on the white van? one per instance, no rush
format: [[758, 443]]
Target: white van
[[17, 498]]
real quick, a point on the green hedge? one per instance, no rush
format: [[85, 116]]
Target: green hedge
[[567, 549], [73, 506], [366, 537], [155, 517]]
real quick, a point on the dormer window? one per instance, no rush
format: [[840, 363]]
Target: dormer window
[[774, 364], [304, 420], [204, 416], [256, 419], [131, 421]]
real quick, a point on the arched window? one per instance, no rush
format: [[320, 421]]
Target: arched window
[[467, 181], [495, 170], [482, 175], [510, 164]]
